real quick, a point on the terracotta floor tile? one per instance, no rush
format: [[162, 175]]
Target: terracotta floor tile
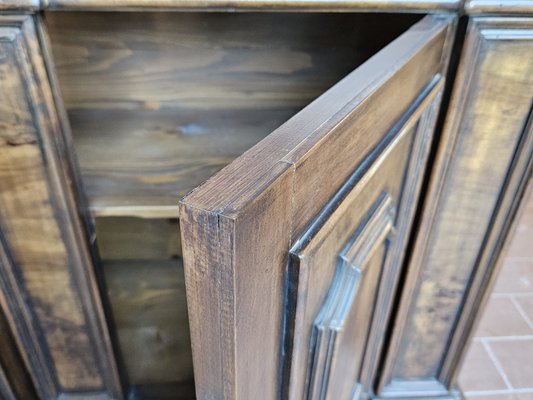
[[522, 242], [515, 396], [478, 371], [502, 318], [515, 276], [516, 359]]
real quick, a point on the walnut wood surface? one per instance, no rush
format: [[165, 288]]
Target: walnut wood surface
[[241, 5], [484, 158], [47, 280], [237, 228], [145, 284], [160, 102], [150, 314], [15, 382], [395, 169], [502, 7]]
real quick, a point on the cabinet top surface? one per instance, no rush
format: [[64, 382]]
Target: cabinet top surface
[[235, 5], [507, 7], [473, 7]]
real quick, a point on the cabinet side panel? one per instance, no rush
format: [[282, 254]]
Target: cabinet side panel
[[483, 137], [46, 275]]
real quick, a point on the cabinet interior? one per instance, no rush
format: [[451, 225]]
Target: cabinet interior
[[158, 103]]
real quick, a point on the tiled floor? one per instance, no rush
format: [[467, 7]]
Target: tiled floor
[[499, 363]]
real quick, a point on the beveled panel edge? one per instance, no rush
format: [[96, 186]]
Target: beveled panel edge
[[343, 292]]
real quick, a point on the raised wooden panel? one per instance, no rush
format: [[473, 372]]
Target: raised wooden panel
[[159, 102], [385, 186], [238, 227], [484, 158], [48, 287], [338, 336]]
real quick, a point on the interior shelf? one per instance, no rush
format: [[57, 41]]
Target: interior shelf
[[159, 102]]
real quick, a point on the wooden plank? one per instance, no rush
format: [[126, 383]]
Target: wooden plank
[[501, 7], [254, 5], [47, 278], [237, 228], [159, 102], [9, 5], [483, 141], [150, 315], [145, 284], [126, 238]]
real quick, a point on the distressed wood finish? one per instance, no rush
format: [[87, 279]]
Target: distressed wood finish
[[339, 329], [15, 382], [237, 228], [159, 102], [394, 169], [502, 7], [150, 315], [146, 287], [251, 5], [48, 287], [483, 162]]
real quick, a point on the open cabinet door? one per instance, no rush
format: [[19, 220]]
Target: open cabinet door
[[292, 252]]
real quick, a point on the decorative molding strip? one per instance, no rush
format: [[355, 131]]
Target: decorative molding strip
[[330, 321]]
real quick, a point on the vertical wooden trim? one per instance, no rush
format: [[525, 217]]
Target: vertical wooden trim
[[490, 260], [505, 164], [76, 310], [15, 382]]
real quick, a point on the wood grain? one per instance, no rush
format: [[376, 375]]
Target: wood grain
[[483, 140], [150, 314], [253, 5], [126, 238], [48, 285], [15, 381], [237, 228], [145, 284], [501, 7], [387, 170], [160, 102]]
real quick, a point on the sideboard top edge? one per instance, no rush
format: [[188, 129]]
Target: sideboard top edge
[[413, 6], [499, 7]]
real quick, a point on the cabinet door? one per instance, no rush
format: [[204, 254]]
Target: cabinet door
[[482, 169], [47, 283], [292, 252]]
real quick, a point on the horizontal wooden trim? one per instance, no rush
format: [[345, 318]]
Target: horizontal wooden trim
[[233, 5], [509, 7]]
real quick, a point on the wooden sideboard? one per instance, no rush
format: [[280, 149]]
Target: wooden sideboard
[[253, 199]]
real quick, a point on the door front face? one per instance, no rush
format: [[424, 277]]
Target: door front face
[[297, 244]]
